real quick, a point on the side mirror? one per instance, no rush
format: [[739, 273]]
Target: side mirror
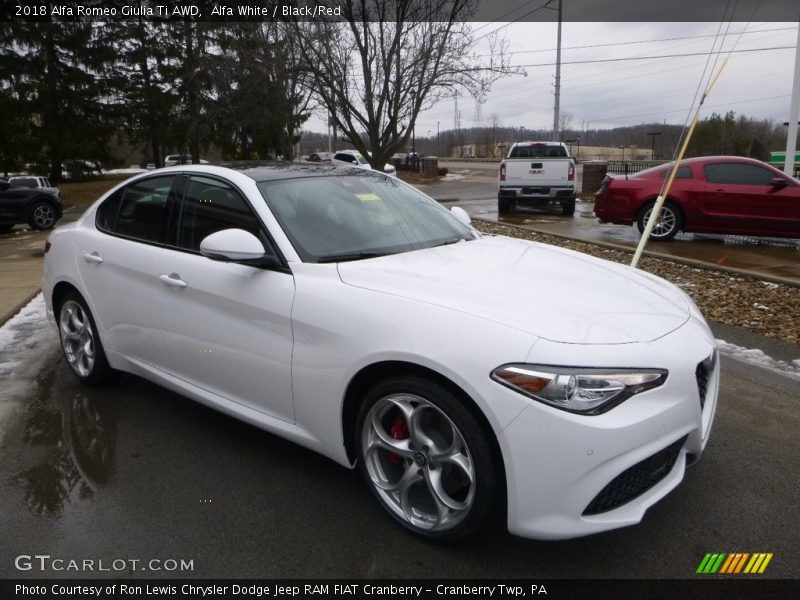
[[233, 245], [778, 182], [462, 215]]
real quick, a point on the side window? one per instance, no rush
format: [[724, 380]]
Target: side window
[[210, 205], [105, 218], [684, 172], [738, 174], [142, 211]]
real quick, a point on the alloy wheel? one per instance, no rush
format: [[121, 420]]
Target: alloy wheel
[[77, 338], [418, 462], [44, 216], [665, 225]]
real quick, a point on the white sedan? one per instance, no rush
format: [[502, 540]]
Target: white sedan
[[461, 373]]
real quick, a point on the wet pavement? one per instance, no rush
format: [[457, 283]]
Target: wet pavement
[[473, 187], [131, 471]]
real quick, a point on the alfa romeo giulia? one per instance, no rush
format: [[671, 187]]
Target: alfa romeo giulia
[[462, 374]]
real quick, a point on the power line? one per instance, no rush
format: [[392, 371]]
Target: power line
[[632, 42], [629, 58]]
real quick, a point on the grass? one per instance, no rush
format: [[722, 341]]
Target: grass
[[83, 193]]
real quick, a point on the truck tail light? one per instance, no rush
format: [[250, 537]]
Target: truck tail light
[[502, 171], [571, 175]]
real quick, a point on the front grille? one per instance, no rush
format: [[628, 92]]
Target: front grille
[[703, 375], [636, 480]]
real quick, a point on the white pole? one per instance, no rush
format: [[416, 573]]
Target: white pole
[[654, 214], [794, 112]]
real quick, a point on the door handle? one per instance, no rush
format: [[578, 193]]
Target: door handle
[[94, 257], [174, 280]]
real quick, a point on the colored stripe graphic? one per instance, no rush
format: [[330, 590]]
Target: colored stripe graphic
[[734, 563]]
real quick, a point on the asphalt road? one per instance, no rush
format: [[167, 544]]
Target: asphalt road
[[133, 471]]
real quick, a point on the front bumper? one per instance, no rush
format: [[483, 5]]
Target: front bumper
[[571, 475]]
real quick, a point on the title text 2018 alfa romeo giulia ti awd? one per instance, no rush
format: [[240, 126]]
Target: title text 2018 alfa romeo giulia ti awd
[[463, 374]]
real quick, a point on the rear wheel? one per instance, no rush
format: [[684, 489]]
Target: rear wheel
[[42, 215], [425, 458], [79, 340], [568, 208], [670, 221], [504, 206]]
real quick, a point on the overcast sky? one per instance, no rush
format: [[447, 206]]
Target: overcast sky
[[627, 92]]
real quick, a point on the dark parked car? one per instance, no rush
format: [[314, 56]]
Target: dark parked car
[[714, 194], [39, 208]]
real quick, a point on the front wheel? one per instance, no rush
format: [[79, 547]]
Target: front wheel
[[425, 458], [42, 215], [80, 342], [670, 221]]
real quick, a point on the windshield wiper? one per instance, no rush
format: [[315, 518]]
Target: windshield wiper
[[345, 256], [449, 241]]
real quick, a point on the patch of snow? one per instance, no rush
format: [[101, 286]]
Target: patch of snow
[[453, 177], [759, 358], [770, 285], [23, 339], [124, 171], [760, 306]]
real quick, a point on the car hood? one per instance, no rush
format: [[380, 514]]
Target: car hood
[[552, 293]]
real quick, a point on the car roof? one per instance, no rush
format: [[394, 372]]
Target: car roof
[[260, 171]]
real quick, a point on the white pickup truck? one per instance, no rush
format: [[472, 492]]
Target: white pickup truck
[[537, 174]]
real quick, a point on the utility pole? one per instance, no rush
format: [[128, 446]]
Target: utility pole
[[794, 113], [437, 138], [557, 107], [653, 135]]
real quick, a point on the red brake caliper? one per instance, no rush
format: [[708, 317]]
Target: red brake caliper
[[398, 431]]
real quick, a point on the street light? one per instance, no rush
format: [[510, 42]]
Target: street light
[[653, 135]]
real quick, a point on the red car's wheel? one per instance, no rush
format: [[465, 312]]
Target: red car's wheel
[[670, 221]]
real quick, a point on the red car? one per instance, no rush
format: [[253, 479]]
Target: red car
[[320, 157], [712, 194]]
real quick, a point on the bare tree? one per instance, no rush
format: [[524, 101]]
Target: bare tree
[[564, 121], [391, 59]]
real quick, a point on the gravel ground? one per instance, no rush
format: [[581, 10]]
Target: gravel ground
[[763, 307]]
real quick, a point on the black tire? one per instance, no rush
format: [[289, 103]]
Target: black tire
[[568, 208], [505, 206], [6, 228], [80, 344], [669, 223], [42, 215], [456, 458]]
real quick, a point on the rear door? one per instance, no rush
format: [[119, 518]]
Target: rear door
[[120, 262], [740, 198]]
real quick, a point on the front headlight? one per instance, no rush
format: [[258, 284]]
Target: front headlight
[[587, 391]]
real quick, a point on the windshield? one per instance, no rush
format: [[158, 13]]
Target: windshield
[[353, 216]]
